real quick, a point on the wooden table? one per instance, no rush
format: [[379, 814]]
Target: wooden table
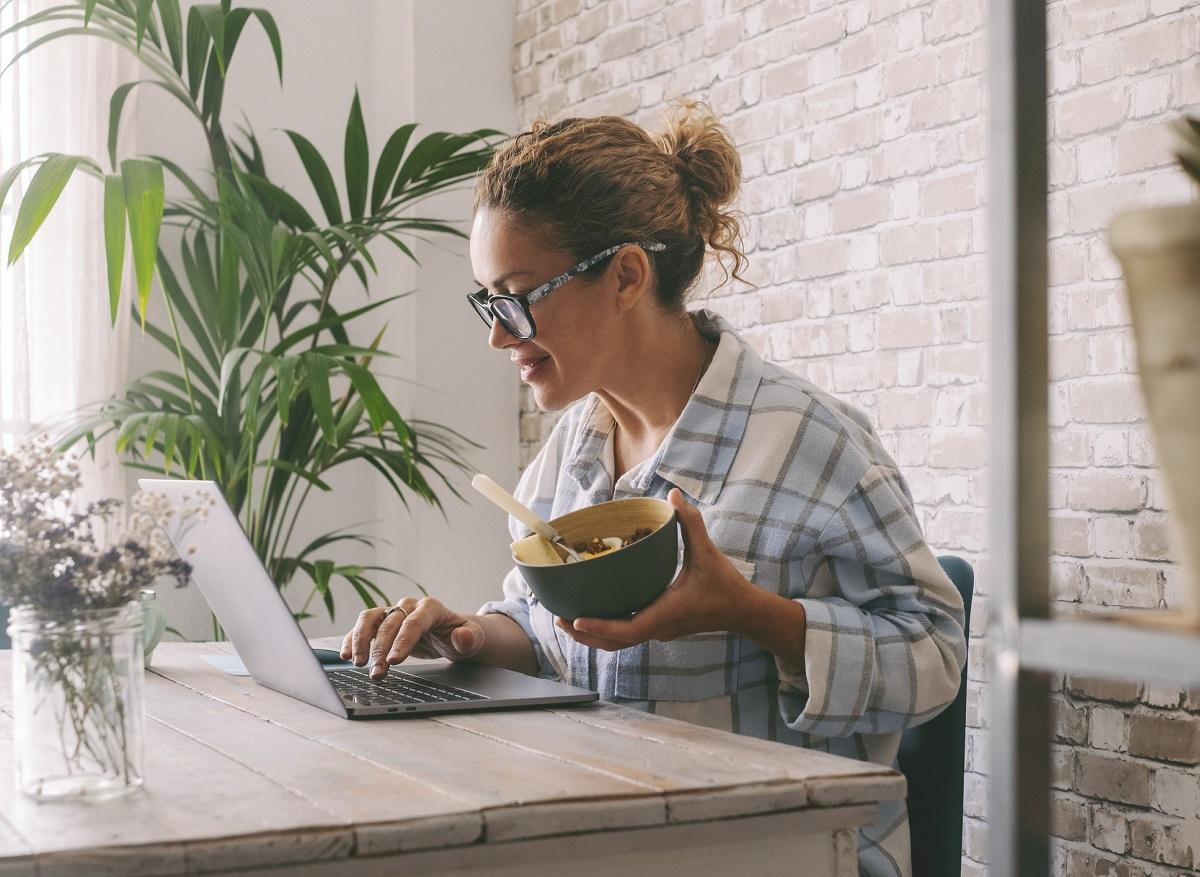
[[240, 778]]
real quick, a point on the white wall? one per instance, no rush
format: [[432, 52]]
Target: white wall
[[463, 81], [405, 56]]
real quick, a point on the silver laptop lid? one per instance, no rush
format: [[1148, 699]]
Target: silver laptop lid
[[245, 600]]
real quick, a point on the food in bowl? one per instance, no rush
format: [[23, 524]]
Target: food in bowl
[[537, 550]]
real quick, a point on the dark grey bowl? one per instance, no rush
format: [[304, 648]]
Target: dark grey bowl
[[619, 582]]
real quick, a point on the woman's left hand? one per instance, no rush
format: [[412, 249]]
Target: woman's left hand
[[708, 594]]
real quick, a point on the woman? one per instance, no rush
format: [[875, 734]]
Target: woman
[[809, 608]]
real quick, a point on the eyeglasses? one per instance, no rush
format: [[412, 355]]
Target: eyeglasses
[[513, 310]]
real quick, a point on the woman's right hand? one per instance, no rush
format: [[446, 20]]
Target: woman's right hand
[[420, 627]]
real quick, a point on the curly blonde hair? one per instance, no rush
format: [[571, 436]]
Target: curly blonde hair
[[590, 183]]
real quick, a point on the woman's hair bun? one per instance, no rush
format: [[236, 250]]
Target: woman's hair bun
[[711, 172], [708, 160]]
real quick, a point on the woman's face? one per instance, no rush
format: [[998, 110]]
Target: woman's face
[[565, 359]]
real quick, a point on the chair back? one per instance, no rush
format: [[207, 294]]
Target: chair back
[[931, 759]]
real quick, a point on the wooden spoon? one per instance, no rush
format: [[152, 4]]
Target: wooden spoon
[[524, 514]]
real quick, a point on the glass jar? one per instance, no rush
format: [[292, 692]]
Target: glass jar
[[155, 624], [77, 702]]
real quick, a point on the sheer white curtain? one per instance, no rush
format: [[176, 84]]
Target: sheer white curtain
[[58, 349]]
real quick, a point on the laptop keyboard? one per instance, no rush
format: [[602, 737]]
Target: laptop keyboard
[[396, 687]]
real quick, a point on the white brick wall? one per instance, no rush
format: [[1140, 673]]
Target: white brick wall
[[862, 131]]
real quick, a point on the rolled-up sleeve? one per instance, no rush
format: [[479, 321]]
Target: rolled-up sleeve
[[516, 606], [884, 644], [536, 488]]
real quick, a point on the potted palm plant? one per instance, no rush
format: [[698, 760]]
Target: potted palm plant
[[272, 384], [1159, 252]]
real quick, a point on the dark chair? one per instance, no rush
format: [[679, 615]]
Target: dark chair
[[931, 758]]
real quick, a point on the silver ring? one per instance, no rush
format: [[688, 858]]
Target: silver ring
[[390, 610]]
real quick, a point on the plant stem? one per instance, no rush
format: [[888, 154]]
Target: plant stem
[[187, 375], [251, 431], [296, 515], [334, 273], [259, 536], [276, 547], [311, 594]]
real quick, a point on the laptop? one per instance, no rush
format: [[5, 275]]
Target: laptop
[[277, 655]]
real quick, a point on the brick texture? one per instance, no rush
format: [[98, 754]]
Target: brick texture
[[862, 131]]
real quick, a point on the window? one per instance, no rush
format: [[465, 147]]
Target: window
[[14, 389], [58, 351]]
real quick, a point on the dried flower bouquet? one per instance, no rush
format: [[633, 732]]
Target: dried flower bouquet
[[76, 621]]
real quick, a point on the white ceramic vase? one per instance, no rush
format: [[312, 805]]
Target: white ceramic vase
[[1159, 251]]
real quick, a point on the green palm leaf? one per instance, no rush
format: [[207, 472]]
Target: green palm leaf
[[144, 194], [268, 24], [357, 160], [317, 368], [145, 9], [199, 38], [319, 175], [389, 163], [287, 208], [293, 469], [115, 104], [9, 177], [114, 238], [212, 16], [47, 184], [172, 26]]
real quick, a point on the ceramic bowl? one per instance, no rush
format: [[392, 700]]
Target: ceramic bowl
[[619, 582]]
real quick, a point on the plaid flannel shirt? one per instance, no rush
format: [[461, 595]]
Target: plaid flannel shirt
[[796, 489]]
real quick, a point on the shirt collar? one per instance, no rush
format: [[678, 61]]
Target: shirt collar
[[699, 449]]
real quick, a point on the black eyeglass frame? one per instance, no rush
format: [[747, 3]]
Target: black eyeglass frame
[[483, 303]]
